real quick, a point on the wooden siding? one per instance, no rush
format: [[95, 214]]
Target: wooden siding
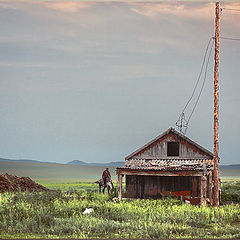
[[159, 149], [156, 186]]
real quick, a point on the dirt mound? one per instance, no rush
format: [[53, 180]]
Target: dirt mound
[[13, 183]]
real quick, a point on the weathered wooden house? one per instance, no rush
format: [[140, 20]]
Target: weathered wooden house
[[169, 165]]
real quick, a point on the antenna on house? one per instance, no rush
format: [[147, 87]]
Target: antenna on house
[[182, 124]]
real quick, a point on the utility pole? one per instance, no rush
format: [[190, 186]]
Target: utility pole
[[215, 147]]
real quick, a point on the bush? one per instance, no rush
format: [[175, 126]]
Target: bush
[[230, 192]]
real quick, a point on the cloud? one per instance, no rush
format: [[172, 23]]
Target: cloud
[[59, 6], [182, 9], [8, 5], [192, 10], [17, 64], [231, 6], [67, 7], [230, 17]]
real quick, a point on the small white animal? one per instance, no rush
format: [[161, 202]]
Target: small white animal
[[88, 210]]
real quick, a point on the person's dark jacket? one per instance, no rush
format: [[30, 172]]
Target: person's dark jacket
[[106, 174]]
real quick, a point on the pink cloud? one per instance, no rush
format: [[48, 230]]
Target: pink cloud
[[181, 9], [69, 7], [154, 9]]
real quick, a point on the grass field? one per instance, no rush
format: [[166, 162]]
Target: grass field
[[59, 214], [73, 186]]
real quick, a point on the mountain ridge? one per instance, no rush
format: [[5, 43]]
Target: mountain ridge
[[73, 162], [110, 164], [22, 160]]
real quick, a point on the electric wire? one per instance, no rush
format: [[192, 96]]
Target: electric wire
[[230, 38], [205, 76], [231, 9], [182, 122], [199, 76]]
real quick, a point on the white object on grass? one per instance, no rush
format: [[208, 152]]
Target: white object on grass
[[88, 210]]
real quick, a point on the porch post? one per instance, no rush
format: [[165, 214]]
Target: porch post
[[119, 186], [203, 190], [210, 195]]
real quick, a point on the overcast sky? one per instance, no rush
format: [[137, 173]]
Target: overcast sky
[[95, 81]]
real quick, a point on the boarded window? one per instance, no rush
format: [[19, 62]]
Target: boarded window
[[172, 149]]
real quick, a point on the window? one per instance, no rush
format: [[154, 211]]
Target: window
[[172, 149]]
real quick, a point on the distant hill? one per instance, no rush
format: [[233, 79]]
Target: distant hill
[[22, 160], [116, 164], [110, 164], [232, 166], [74, 162], [56, 172], [77, 162]]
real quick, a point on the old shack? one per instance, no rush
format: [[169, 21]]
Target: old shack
[[169, 165]]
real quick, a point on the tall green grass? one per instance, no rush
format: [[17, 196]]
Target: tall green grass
[[60, 214], [76, 186], [230, 191]]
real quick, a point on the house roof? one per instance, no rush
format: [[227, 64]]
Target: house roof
[[173, 131], [169, 164]]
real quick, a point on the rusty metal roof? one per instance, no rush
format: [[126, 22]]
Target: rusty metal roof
[[170, 130], [169, 164]]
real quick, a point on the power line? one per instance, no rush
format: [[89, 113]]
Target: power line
[[205, 75], [229, 38], [231, 9], [182, 123], [199, 76]]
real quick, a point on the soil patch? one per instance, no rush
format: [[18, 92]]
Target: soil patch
[[13, 183]]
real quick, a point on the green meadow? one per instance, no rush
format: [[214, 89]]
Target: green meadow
[[59, 213]]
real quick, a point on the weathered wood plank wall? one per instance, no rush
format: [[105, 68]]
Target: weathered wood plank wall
[[156, 186], [159, 149]]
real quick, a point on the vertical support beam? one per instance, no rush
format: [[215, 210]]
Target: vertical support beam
[[210, 196], [203, 190], [119, 186], [194, 191], [215, 148]]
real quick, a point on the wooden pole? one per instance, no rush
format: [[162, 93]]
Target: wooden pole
[[119, 186], [203, 190], [215, 148]]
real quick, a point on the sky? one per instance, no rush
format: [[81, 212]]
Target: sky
[[94, 81]]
